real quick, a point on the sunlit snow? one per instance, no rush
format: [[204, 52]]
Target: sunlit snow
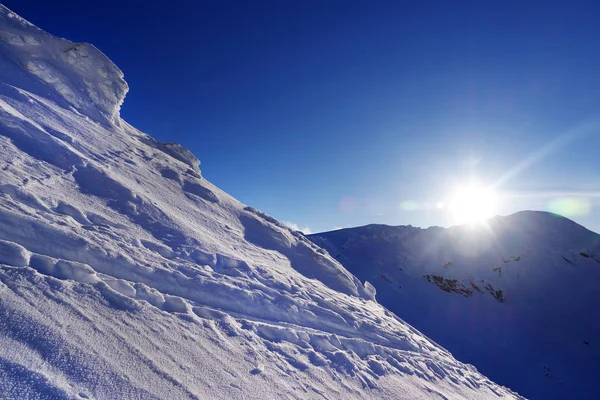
[[125, 274]]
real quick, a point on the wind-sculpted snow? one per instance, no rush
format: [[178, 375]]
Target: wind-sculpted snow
[[517, 297], [125, 274], [79, 75]]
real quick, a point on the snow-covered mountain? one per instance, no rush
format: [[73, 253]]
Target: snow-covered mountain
[[517, 298], [125, 274]]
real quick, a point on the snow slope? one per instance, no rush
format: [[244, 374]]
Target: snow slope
[[125, 274], [518, 299]]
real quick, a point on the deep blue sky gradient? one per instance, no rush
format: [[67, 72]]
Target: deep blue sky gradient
[[341, 113]]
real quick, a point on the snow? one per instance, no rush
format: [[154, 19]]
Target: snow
[[125, 274], [13, 254], [516, 298], [77, 73]]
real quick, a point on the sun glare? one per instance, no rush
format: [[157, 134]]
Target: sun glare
[[473, 204]]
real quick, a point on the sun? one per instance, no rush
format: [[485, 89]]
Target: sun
[[473, 204]]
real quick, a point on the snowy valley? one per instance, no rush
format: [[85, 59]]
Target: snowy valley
[[125, 274], [517, 297]]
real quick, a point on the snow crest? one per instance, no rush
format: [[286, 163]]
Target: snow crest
[[79, 74]]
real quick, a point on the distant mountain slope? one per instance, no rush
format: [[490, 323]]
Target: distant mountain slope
[[518, 299], [124, 274]]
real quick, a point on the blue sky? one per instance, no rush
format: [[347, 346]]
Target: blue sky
[[341, 113]]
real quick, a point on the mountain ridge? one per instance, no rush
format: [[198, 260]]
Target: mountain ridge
[[515, 297], [494, 218]]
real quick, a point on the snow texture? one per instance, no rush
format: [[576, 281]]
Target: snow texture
[[125, 274], [517, 298]]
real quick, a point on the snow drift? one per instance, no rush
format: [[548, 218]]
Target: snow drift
[[125, 274]]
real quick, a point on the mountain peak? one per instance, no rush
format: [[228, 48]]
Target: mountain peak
[[544, 226], [503, 295]]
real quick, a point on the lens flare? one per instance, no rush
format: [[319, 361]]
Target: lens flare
[[570, 206]]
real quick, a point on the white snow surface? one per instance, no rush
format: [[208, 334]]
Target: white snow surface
[[125, 274]]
